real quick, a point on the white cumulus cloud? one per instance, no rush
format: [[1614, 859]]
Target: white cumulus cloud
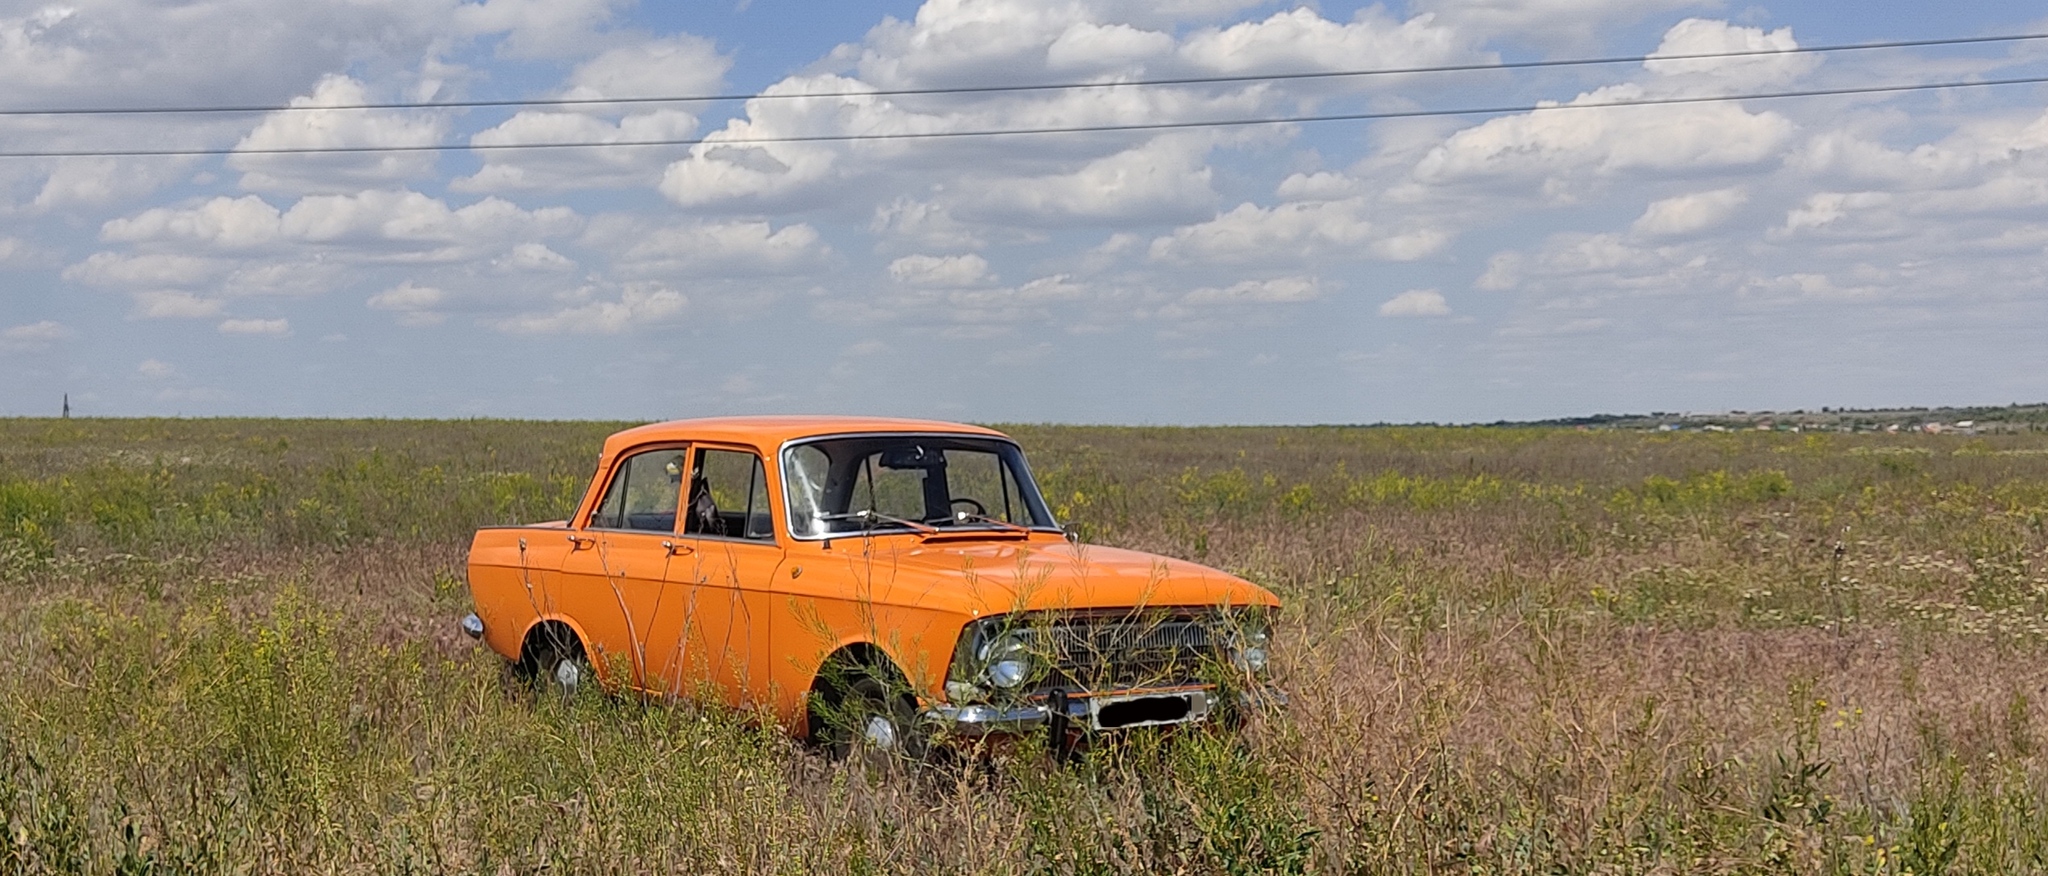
[[1416, 302], [718, 170], [534, 257], [941, 271], [680, 64], [574, 168], [1828, 210], [172, 304], [146, 270], [1250, 232], [1087, 45], [229, 223], [537, 28], [1700, 36], [33, 337], [270, 327], [1163, 180], [639, 306], [1686, 214], [1557, 25], [96, 182], [1279, 290], [307, 127], [1561, 141], [1301, 39], [415, 305], [1297, 230], [395, 224], [738, 248]]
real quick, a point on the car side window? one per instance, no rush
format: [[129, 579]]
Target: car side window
[[643, 494], [729, 496]]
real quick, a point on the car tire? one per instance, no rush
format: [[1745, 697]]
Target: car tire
[[561, 671], [867, 714]]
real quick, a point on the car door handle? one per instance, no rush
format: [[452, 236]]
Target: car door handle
[[579, 542], [677, 550]]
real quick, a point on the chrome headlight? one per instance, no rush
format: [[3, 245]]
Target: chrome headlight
[[1007, 659], [992, 654], [1251, 635]]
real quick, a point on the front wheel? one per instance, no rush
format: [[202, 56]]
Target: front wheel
[[867, 715]]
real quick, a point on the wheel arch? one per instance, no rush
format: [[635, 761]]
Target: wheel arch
[[857, 655], [555, 628]]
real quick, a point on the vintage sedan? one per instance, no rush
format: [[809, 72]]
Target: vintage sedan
[[867, 583]]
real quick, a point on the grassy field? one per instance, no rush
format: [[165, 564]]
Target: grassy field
[[230, 645]]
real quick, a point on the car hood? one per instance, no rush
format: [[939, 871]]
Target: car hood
[[979, 578]]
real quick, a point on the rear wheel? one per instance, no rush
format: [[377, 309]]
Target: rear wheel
[[558, 667]]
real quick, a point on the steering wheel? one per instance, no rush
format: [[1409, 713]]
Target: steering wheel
[[980, 510]]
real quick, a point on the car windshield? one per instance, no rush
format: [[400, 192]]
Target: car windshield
[[919, 482]]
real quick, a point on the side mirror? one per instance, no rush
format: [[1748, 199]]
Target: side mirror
[[1073, 533]]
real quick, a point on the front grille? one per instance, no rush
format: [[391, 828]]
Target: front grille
[[1105, 654]]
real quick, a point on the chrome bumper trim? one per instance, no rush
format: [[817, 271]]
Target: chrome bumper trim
[[982, 720], [1081, 710], [473, 626]]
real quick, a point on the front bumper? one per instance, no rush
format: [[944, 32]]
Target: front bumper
[[1094, 711], [984, 720]]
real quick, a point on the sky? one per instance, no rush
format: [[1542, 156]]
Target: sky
[[1760, 254]]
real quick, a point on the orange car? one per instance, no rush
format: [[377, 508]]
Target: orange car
[[867, 582]]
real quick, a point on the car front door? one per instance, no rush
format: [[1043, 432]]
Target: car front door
[[614, 580], [726, 561]]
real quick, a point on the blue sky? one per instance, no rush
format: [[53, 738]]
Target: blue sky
[[1855, 251]]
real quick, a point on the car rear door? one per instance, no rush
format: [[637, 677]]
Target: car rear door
[[727, 558]]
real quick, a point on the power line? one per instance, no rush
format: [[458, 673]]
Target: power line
[[1010, 132], [1055, 86]]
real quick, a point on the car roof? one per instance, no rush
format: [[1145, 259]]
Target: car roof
[[769, 432]]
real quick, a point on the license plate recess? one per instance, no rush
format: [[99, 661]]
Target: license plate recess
[[1147, 709]]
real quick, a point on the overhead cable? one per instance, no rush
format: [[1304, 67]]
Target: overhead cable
[[1546, 106], [1022, 88]]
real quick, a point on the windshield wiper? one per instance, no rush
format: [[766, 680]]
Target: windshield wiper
[[870, 517], [1005, 525]]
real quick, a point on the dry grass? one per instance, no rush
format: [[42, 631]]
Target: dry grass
[[230, 645]]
